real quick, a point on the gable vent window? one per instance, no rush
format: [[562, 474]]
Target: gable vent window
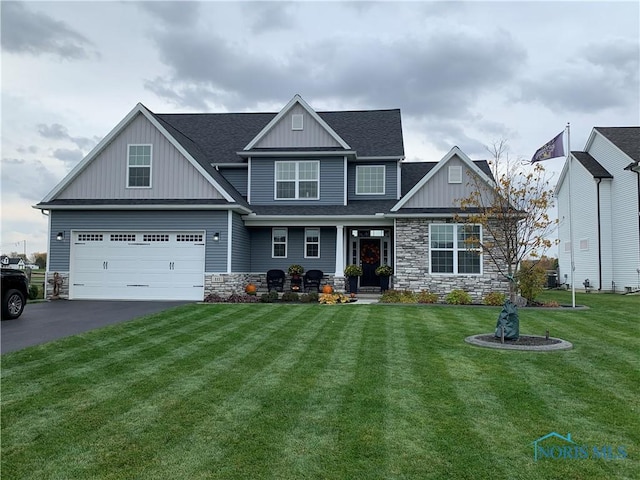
[[455, 174], [139, 166], [297, 121]]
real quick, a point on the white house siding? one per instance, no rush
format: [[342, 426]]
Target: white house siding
[[624, 212], [438, 192], [412, 265], [282, 136], [172, 175]]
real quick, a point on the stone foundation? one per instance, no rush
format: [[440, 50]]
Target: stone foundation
[[226, 284], [63, 289]]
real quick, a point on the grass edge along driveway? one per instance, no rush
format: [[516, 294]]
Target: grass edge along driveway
[[312, 391]]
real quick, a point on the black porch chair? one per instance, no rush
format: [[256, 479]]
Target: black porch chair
[[312, 279], [275, 280]]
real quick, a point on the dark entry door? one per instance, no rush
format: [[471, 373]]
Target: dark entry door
[[370, 260]]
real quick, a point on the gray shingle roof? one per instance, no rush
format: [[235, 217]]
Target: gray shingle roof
[[592, 165], [216, 137], [626, 139]]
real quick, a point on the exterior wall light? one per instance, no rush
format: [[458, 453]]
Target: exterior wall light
[[60, 236], [216, 236]]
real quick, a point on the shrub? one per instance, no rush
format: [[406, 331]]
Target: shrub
[[290, 297], [241, 298], [384, 271], [531, 280], [214, 298], [308, 298], [427, 297], [270, 297], [398, 296], [333, 298], [34, 292], [495, 299], [458, 297], [352, 270], [295, 269]]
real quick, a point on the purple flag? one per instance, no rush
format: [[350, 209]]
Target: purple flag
[[551, 149]]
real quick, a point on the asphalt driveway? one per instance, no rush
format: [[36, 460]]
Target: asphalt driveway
[[47, 321]]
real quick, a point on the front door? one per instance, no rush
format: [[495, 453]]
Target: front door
[[370, 260]]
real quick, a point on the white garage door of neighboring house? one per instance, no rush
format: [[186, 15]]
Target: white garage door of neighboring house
[[137, 265]]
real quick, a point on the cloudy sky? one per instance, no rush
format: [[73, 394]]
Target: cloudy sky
[[465, 74]]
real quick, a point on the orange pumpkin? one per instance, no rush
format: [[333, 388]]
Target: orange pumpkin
[[250, 289], [327, 289]]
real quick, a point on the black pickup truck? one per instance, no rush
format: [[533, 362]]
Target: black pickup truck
[[15, 289]]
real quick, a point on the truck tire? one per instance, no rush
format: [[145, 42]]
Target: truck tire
[[12, 304]]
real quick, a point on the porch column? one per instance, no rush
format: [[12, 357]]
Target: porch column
[[339, 275]]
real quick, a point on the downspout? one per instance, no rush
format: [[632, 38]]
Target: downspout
[[599, 236]]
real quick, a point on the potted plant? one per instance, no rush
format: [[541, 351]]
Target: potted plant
[[353, 272], [384, 272], [295, 270]]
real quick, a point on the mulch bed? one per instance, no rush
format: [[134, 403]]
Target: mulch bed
[[522, 340]]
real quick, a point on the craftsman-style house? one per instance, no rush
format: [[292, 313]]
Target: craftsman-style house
[[177, 206]]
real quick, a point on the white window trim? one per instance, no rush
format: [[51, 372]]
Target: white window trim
[[455, 174], [297, 121], [306, 242], [384, 179], [455, 250], [286, 242], [129, 145], [296, 180]]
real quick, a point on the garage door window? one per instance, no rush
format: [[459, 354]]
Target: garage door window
[[90, 237], [123, 237]]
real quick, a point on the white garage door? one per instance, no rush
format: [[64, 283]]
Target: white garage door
[[137, 265]]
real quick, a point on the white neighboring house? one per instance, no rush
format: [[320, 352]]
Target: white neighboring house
[[605, 211], [11, 262]]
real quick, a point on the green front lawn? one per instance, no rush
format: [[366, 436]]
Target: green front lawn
[[329, 392]]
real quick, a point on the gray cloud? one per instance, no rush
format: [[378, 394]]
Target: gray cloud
[[269, 16], [30, 179], [55, 131], [602, 76], [29, 149], [173, 13], [68, 156], [441, 74], [25, 31]]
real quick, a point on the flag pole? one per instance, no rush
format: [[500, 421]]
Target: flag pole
[[573, 265]]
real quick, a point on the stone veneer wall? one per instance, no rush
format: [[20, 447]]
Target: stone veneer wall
[[236, 283], [412, 265]]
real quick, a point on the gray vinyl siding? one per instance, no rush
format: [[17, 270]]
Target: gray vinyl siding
[[237, 177], [438, 192], [172, 175], [390, 177], [312, 135], [241, 249], [261, 253], [134, 221], [331, 181]]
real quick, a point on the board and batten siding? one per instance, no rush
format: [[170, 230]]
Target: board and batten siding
[[241, 248], [624, 212], [390, 181], [438, 192], [172, 175], [137, 221], [331, 181], [312, 135], [261, 253]]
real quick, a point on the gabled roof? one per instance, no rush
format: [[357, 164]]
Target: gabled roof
[[412, 172], [296, 100], [182, 143], [627, 139], [371, 133], [591, 164], [430, 172]]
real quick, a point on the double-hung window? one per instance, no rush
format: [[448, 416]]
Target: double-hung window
[[370, 180], [311, 243], [139, 166], [279, 242], [297, 180], [455, 249]]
